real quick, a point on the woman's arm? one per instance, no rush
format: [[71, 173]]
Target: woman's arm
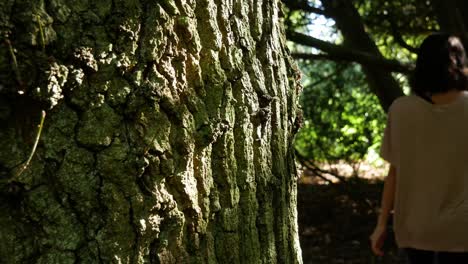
[[388, 197]]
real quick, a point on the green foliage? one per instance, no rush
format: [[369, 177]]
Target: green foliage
[[398, 27], [343, 119], [408, 17]]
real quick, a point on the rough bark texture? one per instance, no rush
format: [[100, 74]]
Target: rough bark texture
[[167, 138]]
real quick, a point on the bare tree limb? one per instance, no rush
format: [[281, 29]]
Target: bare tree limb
[[312, 172], [399, 38], [338, 71], [317, 170], [304, 6], [337, 53], [350, 23]]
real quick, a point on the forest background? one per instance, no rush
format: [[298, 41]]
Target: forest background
[[356, 57]]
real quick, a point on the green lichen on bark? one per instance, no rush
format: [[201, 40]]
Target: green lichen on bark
[[167, 137]]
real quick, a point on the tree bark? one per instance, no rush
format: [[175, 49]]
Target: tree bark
[[167, 137], [450, 17]]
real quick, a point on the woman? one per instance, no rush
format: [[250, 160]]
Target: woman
[[426, 144]]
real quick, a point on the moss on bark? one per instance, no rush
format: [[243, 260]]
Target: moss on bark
[[167, 137]]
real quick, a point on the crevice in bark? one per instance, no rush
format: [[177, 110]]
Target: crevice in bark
[[136, 244], [206, 85]]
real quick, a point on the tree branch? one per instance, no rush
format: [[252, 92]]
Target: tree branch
[[338, 71], [399, 38], [341, 53], [317, 170], [311, 171], [304, 6], [350, 23]]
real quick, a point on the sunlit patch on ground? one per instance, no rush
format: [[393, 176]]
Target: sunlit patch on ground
[[335, 220], [362, 170]]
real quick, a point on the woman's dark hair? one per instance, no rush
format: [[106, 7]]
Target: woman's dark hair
[[440, 66]]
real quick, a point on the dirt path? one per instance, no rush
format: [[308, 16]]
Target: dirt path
[[335, 222]]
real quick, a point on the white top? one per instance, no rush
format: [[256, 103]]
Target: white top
[[428, 145]]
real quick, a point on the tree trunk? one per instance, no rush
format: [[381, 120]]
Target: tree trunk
[[451, 19], [350, 24], [167, 137]]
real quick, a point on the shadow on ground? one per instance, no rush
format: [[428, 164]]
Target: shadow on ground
[[336, 220]]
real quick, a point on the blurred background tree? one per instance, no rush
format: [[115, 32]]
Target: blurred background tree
[[356, 57]]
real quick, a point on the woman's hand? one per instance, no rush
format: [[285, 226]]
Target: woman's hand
[[377, 239], [380, 232]]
